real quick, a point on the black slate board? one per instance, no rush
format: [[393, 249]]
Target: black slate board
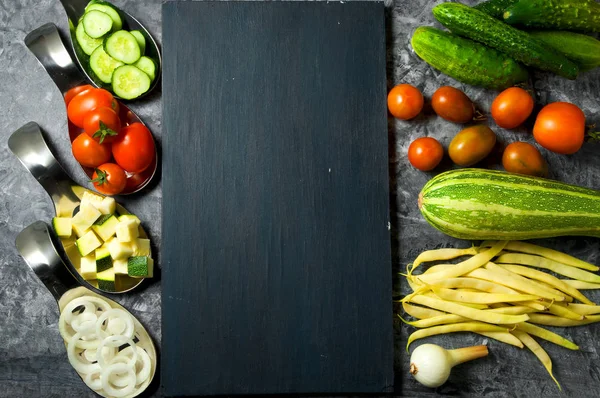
[[276, 246]]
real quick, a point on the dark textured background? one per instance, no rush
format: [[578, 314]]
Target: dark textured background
[[32, 359]]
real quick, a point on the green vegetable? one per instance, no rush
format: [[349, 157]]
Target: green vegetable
[[62, 226], [139, 36], [495, 8], [130, 82], [96, 23], [106, 226], [467, 61], [103, 65], [486, 204], [582, 49], [581, 15], [123, 47], [109, 9], [103, 259], [140, 267], [147, 65], [476, 25], [106, 280], [87, 43]]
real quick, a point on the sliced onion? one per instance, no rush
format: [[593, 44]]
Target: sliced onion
[[90, 304], [115, 313], [115, 342], [75, 359], [84, 321], [144, 373], [116, 326], [93, 382], [118, 368]]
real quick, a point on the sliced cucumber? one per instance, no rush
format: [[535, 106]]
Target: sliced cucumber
[[96, 23], [103, 65], [109, 9], [147, 65], [130, 82], [123, 47], [139, 36], [88, 44]]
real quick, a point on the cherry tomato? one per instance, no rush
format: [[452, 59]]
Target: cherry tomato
[[472, 145], [109, 179], [405, 101], [74, 91], [524, 158], [133, 149], [102, 124], [87, 101], [425, 153], [452, 104], [88, 152], [512, 107], [560, 128]]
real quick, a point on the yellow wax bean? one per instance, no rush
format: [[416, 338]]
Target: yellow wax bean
[[441, 254], [538, 351], [504, 337], [473, 283], [536, 305], [581, 284], [453, 328], [419, 312], [547, 335], [438, 268], [471, 305], [480, 298], [565, 312], [582, 309], [541, 262], [437, 320], [513, 310], [551, 320]]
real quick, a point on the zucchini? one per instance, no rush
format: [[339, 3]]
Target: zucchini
[[488, 204], [582, 49], [476, 25], [495, 8], [465, 60], [581, 15]]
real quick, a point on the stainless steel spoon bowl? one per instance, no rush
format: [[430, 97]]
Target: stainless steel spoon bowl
[[37, 248], [47, 46], [28, 144], [75, 10]]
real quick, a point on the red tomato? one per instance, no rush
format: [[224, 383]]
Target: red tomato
[[102, 124], [425, 153], [452, 104], [524, 158], [405, 101], [109, 179], [560, 128], [87, 101], [133, 149], [512, 107], [74, 91], [88, 152]]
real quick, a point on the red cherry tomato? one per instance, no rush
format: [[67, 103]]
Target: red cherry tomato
[[74, 91], [87, 101], [102, 124], [109, 179], [405, 101], [512, 107], [452, 104], [133, 149], [88, 152], [524, 158], [425, 153], [560, 128]]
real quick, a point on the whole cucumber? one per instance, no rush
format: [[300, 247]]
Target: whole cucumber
[[582, 49], [495, 8], [581, 15], [474, 24], [465, 60]]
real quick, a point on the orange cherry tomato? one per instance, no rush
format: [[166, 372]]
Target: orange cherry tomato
[[425, 153], [512, 107], [524, 158], [109, 179], [472, 145], [560, 128], [74, 91], [88, 152], [405, 101], [102, 124], [452, 104], [87, 101]]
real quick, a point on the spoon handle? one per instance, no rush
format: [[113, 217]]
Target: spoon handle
[[28, 144], [36, 246], [47, 46]]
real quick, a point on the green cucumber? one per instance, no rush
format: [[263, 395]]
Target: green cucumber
[[139, 36], [581, 15], [103, 65], [123, 47], [495, 8], [107, 8], [147, 65], [582, 49], [130, 82], [96, 23], [465, 60], [482, 204], [476, 25], [88, 44]]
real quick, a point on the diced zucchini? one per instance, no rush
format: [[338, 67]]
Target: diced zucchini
[[106, 228], [127, 230], [119, 250], [103, 65], [79, 231], [89, 197], [88, 243], [129, 82], [147, 65], [96, 23], [87, 268], [141, 247], [140, 267], [106, 280], [109, 9], [120, 266], [107, 206], [62, 226], [139, 36], [130, 217], [85, 218], [123, 47], [103, 259], [88, 44]]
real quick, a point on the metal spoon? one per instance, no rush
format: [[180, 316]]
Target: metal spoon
[[28, 144], [75, 10], [37, 248], [47, 46]]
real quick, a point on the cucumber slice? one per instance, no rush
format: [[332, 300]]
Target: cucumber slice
[[103, 65], [88, 44], [96, 23], [147, 65], [139, 36], [107, 8], [123, 47], [130, 82]]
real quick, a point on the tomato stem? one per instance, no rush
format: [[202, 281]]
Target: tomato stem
[[103, 132], [101, 177]]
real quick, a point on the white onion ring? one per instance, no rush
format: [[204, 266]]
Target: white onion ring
[[66, 316], [116, 326], [118, 368], [116, 313], [144, 373], [84, 321], [115, 341], [74, 359], [94, 384]]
